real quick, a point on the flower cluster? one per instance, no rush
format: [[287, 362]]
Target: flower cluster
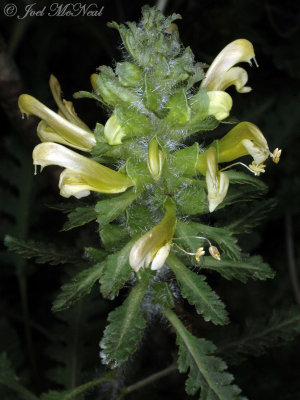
[[157, 101]]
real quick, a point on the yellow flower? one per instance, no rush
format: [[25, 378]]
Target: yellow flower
[[217, 182], [246, 138], [63, 127], [82, 174], [221, 75], [154, 247]]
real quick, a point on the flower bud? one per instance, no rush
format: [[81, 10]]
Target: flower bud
[[156, 159]]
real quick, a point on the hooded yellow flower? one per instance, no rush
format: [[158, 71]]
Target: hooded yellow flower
[[221, 74], [63, 127], [246, 138], [154, 247], [217, 182], [82, 174]]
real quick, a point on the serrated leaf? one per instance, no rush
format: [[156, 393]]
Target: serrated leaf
[[9, 379], [96, 255], [43, 253], [126, 324], [205, 371], [251, 216], [259, 334], [74, 393], [249, 268], [116, 272], [80, 216], [237, 177], [114, 237], [222, 236], [161, 294], [198, 293], [110, 209], [80, 285], [192, 199]]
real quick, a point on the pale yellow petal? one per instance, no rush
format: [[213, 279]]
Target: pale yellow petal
[[70, 132], [101, 178], [220, 104], [240, 50], [66, 107]]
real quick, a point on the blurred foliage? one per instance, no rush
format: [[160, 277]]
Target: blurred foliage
[[42, 348]]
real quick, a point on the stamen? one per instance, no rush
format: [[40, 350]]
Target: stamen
[[255, 62], [257, 169], [199, 253], [276, 155], [244, 165], [214, 252]]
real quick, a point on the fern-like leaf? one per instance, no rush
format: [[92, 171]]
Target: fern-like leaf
[[251, 216], [223, 237], [43, 253], [206, 371], [249, 268], [78, 217], [9, 379], [260, 334], [80, 285], [73, 394], [110, 209], [126, 324], [198, 293], [116, 272]]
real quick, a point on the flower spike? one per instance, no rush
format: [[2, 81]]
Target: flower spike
[[221, 75], [82, 174], [154, 247]]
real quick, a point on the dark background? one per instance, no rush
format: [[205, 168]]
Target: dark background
[[72, 48]]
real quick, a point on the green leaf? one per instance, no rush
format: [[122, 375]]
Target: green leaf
[[249, 268], [116, 272], [82, 94], [205, 371], [74, 393], [260, 334], [80, 216], [223, 237], [126, 324], [191, 199], [251, 216], [43, 253], [80, 285], [114, 237], [198, 293], [184, 161], [139, 219], [179, 111], [161, 294], [138, 172], [9, 379], [246, 179], [110, 209]]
